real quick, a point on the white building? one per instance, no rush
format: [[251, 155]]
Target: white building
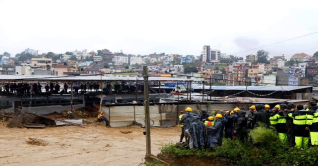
[[177, 69], [215, 55], [206, 54], [136, 60], [44, 63], [300, 68], [66, 57], [97, 58], [261, 68], [120, 60]]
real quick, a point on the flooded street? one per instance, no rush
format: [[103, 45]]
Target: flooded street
[[71, 145]]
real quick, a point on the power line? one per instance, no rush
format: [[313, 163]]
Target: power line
[[277, 42]]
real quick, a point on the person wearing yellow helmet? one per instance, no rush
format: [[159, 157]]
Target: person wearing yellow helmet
[[209, 122], [228, 126], [240, 130], [215, 133], [187, 119], [273, 117], [267, 107]]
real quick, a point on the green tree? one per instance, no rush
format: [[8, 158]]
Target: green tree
[[315, 54], [56, 57], [51, 54], [100, 53], [6, 54], [89, 58], [190, 67], [24, 56], [73, 57], [69, 53], [291, 62], [262, 57]]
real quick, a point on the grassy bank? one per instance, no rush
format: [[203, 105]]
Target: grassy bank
[[262, 148]]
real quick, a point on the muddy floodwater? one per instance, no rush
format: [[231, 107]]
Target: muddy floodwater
[[70, 145]]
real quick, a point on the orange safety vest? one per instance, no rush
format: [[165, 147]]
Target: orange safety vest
[[180, 117], [209, 123]]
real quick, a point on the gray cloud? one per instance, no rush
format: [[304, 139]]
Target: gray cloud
[[246, 42]]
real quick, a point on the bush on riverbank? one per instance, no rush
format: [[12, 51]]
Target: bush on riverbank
[[265, 149]]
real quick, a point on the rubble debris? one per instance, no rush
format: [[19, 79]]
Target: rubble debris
[[38, 142], [126, 132], [34, 125]]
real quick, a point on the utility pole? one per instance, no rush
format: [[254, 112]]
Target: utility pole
[[146, 104]]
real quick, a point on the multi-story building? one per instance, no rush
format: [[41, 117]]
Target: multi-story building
[[240, 74], [251, 58], [7, 70], [176, 69], [44, 63], [293, 80], [206, 53], [300, 57], [215, 55], [252, 71], [97, 58], [31, 51], [187, 59], [300, 69], [120, 60], [136, 60]]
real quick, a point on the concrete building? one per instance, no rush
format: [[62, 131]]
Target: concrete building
[[136, 60], [7, 70], [252, 71], [44, 63], [215, 55], [61, 70], [177, 69], [97, 58], [206, 53], [251, 58], [282, 78], [187, 59], [261, 68], [240, 74], [293, 80], [300, 69], [269, 80], [23, 70], [300, 57], [120, 60]]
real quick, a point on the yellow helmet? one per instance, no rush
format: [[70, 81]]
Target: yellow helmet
[[232, 112], [218, 115], [236, 109], [277, 106], [267, 106], [188, 109], [253, 107], [211, 118]]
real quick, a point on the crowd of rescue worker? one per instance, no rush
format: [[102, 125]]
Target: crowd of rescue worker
[[295, 126]]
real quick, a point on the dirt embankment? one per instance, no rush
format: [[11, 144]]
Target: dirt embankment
[[71, 145]]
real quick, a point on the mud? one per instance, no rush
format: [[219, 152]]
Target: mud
[[71, 145]]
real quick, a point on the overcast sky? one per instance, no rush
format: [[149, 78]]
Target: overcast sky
[[148, 26]]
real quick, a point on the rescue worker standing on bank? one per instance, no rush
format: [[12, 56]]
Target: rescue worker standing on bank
[[214, 133], [312, 122], [228, 127], [281, 124], [290, 124], [240, 129], [300, 127], [181, 125], [209, 122], [272, 116], [250, 117], [187, 119]]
